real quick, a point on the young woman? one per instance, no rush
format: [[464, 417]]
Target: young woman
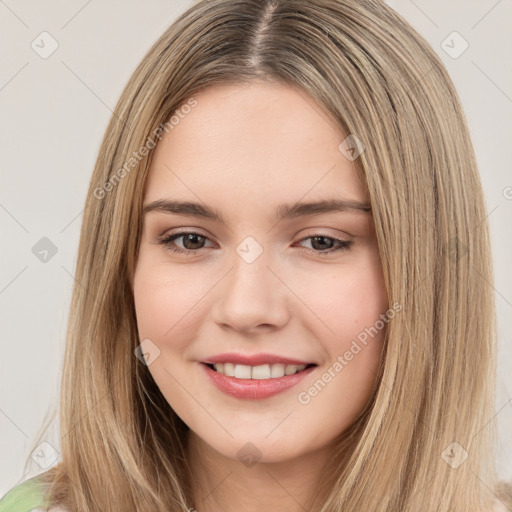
[[283, 248]]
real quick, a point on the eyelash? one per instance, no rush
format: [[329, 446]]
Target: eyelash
[[343, 245]]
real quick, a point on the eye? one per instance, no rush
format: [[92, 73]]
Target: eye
[[194, 242], [318, 242]]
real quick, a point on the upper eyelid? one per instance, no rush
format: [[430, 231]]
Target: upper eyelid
[[183, 232]]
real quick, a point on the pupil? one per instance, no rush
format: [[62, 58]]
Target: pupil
[[316, 238], [188, 238]]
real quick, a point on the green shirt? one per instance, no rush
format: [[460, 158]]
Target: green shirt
[[25, 497], [29, 495]]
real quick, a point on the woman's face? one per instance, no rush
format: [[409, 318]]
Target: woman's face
[[259, 281]]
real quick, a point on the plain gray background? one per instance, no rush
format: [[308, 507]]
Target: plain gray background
[[53, 115]]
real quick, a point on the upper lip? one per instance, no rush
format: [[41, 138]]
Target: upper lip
[[253, 359]]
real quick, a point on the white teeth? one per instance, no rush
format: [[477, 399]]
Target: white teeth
[[290, 369], [264, 371], [229, 369], [277, 370], [242, 371]]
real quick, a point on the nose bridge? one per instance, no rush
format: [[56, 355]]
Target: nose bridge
[[251, 265], [251, 294]]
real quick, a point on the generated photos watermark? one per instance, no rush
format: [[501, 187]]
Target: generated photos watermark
[[362, 339], [137, 156]]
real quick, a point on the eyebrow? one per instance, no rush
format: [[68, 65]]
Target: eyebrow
[[282, 212]]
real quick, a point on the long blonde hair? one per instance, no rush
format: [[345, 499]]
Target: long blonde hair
[[123, 447]]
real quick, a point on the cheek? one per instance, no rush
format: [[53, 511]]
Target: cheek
[[166, 302], [345, 301], [362, 298], [347, 306], [350, 306]]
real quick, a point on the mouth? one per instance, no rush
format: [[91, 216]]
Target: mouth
[[260, 372], [255, 382]]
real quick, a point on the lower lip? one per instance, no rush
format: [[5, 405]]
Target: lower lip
[[254, 389]]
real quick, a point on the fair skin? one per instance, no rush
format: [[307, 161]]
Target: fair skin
[[244, 150]]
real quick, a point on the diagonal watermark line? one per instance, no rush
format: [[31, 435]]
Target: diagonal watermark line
[[492, 81], [492, 490], [87, 86], [301, 300], [13, 217], [12, 280], [280, 423], [92, 91], [198, 402], [424, 13], [14, 424], [424, 487], [14, 76], [216, 487], [493, 287], [78, 282], [13, 13], [75, 15], [485, 218], [485, 15], [286, 490], [183, 316], [71, 221], [508, 402], [22, 479]]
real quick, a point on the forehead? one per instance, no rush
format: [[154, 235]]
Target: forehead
[[256, 145]]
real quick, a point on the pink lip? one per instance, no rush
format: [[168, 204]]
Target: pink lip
[[253, 360], [254, 389]]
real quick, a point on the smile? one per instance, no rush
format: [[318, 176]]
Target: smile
[[255, 382]]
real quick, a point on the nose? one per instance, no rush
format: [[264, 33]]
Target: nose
[[252, 296]]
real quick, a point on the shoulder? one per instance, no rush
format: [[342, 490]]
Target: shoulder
[[25, 497], [29, 496]]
